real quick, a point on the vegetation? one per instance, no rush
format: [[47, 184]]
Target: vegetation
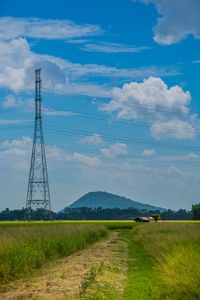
[[156, 217], [85, 213], [140, 277], [196, 212], [26, 248], [90, 278], [150, 261], [164, 261]]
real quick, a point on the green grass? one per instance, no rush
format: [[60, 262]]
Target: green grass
[[26, 248], [163, 258], [109, 224], [164, 262], [140, 278]]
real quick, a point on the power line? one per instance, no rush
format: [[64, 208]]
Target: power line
[[128, 140], [153, 107], [138, 157], [87, 115], [109, 137], [118, 168], [157, 109]]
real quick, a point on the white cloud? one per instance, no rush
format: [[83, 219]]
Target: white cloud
[[172, 170], [149, 153], [115, 150], [52, 112], [44, 29], [54, 153], [174, 128], [111, 48], [77, 70], [28, 106], [10, 101], [178, 20], [77, 41], [17, 65], [91, 161], [9, 122], [192, 155], [149, 96], [165, 109], [18, 152], [17, 147], [18, 62], [17, 143], [93, 139]]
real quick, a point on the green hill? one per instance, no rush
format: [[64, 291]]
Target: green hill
[[107, 200]]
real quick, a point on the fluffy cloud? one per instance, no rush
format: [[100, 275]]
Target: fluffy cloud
[[165, 109], [174, 128], [44, 29], [93, 139], [178, 20], [115, 150], [17, 147], [18, 152], [17, 65], [18, 62], [11, 101]]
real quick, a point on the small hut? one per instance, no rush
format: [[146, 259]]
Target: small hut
[[144, 219]]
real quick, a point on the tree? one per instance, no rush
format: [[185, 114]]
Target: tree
[[156, 217], [196, 211]]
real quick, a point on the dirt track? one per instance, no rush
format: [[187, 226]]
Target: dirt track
[[62, 279]]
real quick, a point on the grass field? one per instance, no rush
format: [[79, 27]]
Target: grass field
[[168, 261], [109, 224], [24, 248], [157, 260]]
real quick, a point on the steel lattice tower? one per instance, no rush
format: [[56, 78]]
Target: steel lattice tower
[[38, 195]]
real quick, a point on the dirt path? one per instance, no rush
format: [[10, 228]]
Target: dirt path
[[100, 268]]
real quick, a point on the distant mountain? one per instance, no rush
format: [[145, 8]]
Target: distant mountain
[[107, 200]]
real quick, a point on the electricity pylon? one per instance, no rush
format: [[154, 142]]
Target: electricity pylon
[[38, 195]]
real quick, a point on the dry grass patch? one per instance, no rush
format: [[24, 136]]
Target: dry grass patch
[[62, 278], [24, 249]]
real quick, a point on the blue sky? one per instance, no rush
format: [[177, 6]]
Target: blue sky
[[120, 92]]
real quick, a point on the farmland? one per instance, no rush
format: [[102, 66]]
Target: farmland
[[26, 248], [100, 260]]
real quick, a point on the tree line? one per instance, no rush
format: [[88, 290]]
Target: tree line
[[85, 213]]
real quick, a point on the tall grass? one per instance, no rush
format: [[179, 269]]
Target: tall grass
[[26, 248], [175, 252]]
